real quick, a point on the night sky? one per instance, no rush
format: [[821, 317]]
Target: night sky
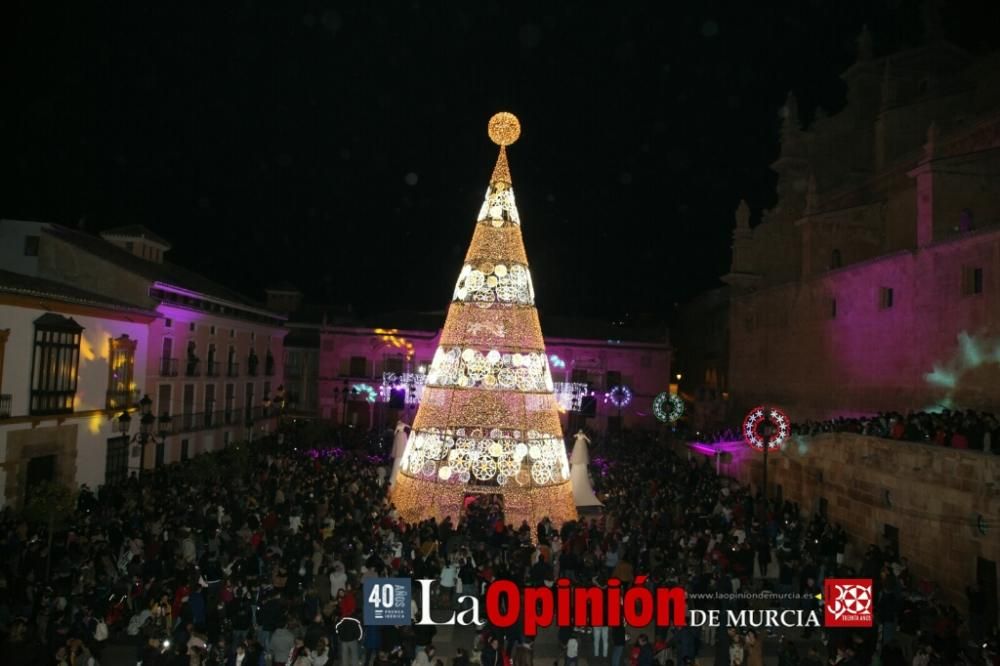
[[343, 148]]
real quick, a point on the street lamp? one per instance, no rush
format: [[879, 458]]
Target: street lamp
[[342, 394], [146, 423]]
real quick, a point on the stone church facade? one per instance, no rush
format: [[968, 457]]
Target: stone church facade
[[874, 282]]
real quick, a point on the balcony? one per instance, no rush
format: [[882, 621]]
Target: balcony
[[212, 369], [5, 401], [233, 369], [168, 367], [122, 399], [192, 368]]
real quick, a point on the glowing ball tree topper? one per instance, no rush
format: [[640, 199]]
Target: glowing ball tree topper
[[777, 423], [668, 408]]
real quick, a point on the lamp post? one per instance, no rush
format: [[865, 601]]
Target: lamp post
[[765, 433], [146, 423], [342, 393]]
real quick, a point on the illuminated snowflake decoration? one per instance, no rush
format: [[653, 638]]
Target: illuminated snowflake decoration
[[489, 283], [619, 396], [668, 408], [775, 419], [469, 368], [499, 208], [495, 454]]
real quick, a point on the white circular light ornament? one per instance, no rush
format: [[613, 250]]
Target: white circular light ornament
[[535, 452], [444, 473], [496, 449], [668, 408], [520, 451], [766, 426], [541, 473], [508, 466], [620, 396], [484, 469]]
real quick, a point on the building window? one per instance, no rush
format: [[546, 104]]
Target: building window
[[972, 280], [4, 334], [191, 327], [210, 405], [116, 462], [167, 323], [129, 246], [232, 332], [580, 376], [55, 364], [211, 330], [612, 378], [248, 402], [185, 450], [393, 364], [885, 298], [230, 403], [121, 372], [359, 366], [835, 259], [833, 308], [31, 246]]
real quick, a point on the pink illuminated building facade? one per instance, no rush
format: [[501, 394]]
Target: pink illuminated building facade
[[359, 362], [209, 358], [874, 282]]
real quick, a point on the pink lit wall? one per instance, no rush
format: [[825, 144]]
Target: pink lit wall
[[835, 345]]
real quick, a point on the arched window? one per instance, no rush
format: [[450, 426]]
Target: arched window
[[835, 259]]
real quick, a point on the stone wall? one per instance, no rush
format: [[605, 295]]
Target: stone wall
[[933, 496]]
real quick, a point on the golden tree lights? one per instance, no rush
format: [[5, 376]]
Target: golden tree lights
[[489, 420]]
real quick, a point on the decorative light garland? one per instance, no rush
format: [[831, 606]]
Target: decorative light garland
[[496, 454], [668, 407], [468, 368], [490, 283], [619, 396], [557, 362], [369, 392], [756, 418], [388, 336], [570, 394]]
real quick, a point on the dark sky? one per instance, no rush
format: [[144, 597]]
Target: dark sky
[[344, 149]]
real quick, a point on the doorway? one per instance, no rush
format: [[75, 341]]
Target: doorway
[[40, 470], [116, 463], [986, 581], [891, 535]]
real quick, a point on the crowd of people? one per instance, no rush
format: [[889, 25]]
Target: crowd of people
[[968, 429], [978, 431], [256, 555]]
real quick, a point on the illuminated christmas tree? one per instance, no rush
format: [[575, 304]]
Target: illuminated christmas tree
[[488, 421]]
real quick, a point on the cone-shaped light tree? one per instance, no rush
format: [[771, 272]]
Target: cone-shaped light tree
[[488, 421]]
